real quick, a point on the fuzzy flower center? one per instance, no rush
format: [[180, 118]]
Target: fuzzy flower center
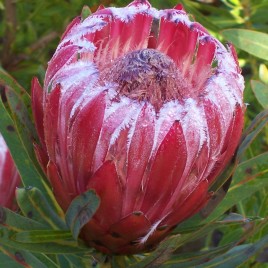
[[147, 75]]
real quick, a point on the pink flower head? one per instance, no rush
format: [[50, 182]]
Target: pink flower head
[[145, 107], [9, 177]]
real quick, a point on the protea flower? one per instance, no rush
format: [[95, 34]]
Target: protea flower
[[9, 177], [145, 107]]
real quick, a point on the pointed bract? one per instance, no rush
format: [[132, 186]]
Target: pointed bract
[[9, 177]]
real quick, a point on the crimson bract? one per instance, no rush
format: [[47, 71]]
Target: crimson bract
[[145, 107], [9, 177]]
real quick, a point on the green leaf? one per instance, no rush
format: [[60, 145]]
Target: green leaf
[[85, 12], [237, 193], [206, 22], [42, 236], [35, 206], [256, 126], [160, 255], [188, 234], [58, 247], [8, 261], [236, 256], [18, 222], [81, 211], [22, 120], [251, 169], [7, 80], [24, 258], [261, 92], [63, 261], [195, 223], [255, 43], [191, 259], [83, 261], [263, 73]]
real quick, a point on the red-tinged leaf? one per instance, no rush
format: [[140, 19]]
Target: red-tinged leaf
[[81, 210]]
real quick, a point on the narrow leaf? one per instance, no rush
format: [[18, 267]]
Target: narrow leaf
[[35, 206], [261, 92], [59, 247], [85, 12], [18, 222], [7, 80], [263, 73], [160, 255], [253, 42], [81, 211], [237, 193], [252, 131], [191, 259], [236, 256], [8, 260], [42, 236], [26, 259], [22, 120]]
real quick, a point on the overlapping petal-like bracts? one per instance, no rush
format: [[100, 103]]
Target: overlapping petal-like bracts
[[9, 177], [145, 107]]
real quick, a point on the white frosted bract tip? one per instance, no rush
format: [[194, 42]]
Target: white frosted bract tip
[[75, 73], [77, 33], [176, 16], [128, 13], [129, 119], [3, 149]]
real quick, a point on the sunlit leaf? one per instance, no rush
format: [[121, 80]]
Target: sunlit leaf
[[263, 73], [255, 43], [261, 92]]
